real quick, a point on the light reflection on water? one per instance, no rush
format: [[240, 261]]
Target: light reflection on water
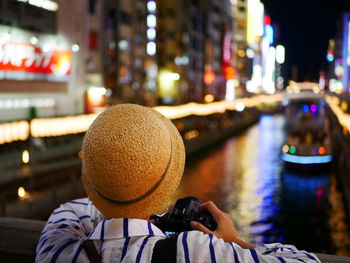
[[244, 177], [235, 175], [304, 208]]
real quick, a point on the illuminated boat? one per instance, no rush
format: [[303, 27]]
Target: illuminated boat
[[306, 159], [308, 144], [306, 153]]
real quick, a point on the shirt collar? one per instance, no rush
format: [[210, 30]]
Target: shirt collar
[[124, 227]]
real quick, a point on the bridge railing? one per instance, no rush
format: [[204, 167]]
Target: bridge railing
[[19, 237]]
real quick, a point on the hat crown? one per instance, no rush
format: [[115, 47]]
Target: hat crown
[[126, 151]]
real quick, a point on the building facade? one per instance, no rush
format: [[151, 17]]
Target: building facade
[[39, 73], [191, 36], [87, 54], [337, 74], [241, 61], [345, 52]]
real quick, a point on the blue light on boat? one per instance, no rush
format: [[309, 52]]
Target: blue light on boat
[[306, 159], [313, 108], [306, 108]]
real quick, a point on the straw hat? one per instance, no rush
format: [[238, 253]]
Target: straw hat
[[133, 160]]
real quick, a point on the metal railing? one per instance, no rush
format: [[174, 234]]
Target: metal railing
[[23, 249]]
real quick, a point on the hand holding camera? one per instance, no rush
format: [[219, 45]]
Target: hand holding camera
[[182, 214], [225, 227], [189, 214]]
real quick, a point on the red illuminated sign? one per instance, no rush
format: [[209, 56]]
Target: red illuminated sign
[[226, 50], [267, 20], [229, 72], [209, 77], [26, 61]]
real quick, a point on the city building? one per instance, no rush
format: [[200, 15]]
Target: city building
[[250, 45], [130, 51], [40, 62], [127, 49], [170, 30], [346, 51], [338, 57], [217, 45], [191, 39], [242, 63], [258, 46], [191, 59], [78, 57]]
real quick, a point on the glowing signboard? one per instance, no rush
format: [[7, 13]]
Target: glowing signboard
[[348, 56], [167, 84], [25, 61], [269, 33], [209, 77], [255, 22], [229, 72], [226, 49], [280, 54]]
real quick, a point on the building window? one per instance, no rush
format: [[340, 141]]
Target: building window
[[216, 9], [13, 6], [138, 39], [193, 64], [138, 62], [93, 40], [194, 43], [170, 34], [217, 26], [111, 13], [171, 59], [171, 12], [33, 11], [92, 7], [125, 18], [241, 8]]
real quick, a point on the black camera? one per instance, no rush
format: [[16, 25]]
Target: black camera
[[179, 218]]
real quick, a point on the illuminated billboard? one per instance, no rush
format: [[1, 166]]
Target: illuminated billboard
[[269, 32], [280, 54], [25, 55], [269, 75], [346, 53], [167, 81], [255, 22], [25, 61]]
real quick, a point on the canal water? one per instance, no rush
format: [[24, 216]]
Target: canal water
[[245, 177]]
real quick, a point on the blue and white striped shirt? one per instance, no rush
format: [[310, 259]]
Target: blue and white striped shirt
[[132, 240]]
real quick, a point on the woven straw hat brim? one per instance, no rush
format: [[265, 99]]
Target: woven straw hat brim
[[156, 200]]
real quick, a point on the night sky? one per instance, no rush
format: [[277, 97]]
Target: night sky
[[305, 27]]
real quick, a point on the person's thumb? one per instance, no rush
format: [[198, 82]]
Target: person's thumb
[[198, 226]]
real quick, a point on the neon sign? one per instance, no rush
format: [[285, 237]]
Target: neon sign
[[209, 77], [226, 56], [269, 33], [25, 61], [348, 56]]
